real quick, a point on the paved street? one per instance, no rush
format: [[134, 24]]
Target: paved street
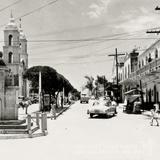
[[75, 136]]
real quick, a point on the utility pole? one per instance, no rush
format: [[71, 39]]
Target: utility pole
[[154, 31], [40, 90], [116, 58], [104, 85]]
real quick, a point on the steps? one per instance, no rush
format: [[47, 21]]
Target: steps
[[16, 127]]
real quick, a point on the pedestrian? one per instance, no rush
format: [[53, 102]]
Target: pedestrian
[[114, 103], [53, 112], [155, 114]]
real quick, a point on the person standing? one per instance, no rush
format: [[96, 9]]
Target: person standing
[[154, 114]]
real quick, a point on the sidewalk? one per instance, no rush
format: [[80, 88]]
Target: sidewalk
[[33, 108]]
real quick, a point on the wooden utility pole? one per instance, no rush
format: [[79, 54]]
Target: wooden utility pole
[[104, 85], [116, 58], [154, 31], [40, 90]]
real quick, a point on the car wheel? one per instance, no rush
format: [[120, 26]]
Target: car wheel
[[80, 101], [91, 115]]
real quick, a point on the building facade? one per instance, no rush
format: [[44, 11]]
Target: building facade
[[142, 71]]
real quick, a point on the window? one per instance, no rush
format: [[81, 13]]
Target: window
[[1, 54], [149, 59], [156, 53], [142, 63], [10, 57], [146, 59], [10, 40], [139, 64]]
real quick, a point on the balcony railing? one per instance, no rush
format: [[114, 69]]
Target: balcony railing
[[154, 65]]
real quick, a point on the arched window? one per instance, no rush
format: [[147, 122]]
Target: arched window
[[156, 53], [10, 39], [142, 63], [149, 59], [10, 57]]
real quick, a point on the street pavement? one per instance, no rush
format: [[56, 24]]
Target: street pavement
[[74, 136]]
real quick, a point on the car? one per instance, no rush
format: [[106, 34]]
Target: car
[[102, 107]]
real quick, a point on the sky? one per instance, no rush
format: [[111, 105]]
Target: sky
[[75, 37]]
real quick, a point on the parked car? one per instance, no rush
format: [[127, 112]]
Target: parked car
[[102, 107]]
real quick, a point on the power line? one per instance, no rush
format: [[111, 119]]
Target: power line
[[35, 10], [81, 62], [10, 5], [88, 40]]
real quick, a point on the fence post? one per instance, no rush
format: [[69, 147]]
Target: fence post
[[44, 123], [29, 125], [37, 119]]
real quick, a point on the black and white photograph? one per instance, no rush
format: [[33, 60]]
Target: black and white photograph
[[79, 79]]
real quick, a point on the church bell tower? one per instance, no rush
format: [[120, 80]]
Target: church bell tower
[[15, 54]]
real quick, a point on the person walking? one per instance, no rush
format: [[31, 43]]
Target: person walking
[[154, 114], [53, 112]]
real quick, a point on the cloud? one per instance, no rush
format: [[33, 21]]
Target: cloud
[[72, 2], [97, 9], [134, 21]]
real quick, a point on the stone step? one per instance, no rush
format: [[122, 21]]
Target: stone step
[[18, 131], [17, 126], [12, 122], [13, 131], [24, 126]]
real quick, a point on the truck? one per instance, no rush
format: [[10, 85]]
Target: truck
[[84, 97]]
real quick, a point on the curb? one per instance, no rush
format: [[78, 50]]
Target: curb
[[63, 110], [22, 136]]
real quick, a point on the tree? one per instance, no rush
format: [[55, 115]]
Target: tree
[[101, 80], [90, 84], [52, 82]]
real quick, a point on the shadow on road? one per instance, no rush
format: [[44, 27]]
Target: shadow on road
[[102, 117]]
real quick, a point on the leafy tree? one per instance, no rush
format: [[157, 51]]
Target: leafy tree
[[100, 80], [52, 82]]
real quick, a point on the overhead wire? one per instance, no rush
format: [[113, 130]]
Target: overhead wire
[[94, 39], [35, 10], [10, 5]]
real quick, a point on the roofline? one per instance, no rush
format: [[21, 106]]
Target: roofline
[[150, 47]]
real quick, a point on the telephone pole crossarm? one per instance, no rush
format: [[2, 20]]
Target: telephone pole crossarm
[[154, 31], [157, 8], [117, 54]]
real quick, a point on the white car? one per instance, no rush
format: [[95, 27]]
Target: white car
[[102, 107]]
